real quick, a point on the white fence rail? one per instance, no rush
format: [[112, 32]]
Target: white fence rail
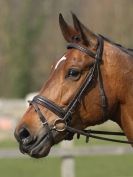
[[82, 151]]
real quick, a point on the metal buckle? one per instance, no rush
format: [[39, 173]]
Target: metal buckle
[[59, 125]]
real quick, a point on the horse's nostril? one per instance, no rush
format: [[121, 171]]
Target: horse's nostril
[[24, 134]]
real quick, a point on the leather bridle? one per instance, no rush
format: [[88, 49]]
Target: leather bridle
[[65, 114]]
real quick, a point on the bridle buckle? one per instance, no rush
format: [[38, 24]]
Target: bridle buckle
[[59, 125]]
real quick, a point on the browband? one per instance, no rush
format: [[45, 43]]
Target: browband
[[82, 49]]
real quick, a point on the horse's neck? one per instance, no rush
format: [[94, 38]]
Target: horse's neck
[[126, 107], [120, 66]]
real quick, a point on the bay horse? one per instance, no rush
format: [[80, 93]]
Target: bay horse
[[91, 83]]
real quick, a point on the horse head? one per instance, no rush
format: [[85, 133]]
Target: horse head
[[81, 91]]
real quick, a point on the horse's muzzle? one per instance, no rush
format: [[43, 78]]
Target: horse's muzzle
[[35, 146]]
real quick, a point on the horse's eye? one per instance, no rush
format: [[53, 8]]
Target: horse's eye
[[73, 74]]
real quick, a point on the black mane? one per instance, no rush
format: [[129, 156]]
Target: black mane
[[126, 50]]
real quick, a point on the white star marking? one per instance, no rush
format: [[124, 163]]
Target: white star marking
[[57, 64]]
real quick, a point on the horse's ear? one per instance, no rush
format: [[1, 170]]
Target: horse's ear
[[88, 37], [67, 31]]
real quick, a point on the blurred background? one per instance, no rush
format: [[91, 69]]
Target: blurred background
[[30, 41]]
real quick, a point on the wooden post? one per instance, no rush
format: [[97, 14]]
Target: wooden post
[[68, 163]]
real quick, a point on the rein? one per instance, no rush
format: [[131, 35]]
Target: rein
[[65, 114], [93, 134]]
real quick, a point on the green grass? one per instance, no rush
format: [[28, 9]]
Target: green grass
[[8, 143], [49, 167], [105, 166], [93, 166]]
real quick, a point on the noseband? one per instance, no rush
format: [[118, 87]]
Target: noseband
[[65, 115]]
